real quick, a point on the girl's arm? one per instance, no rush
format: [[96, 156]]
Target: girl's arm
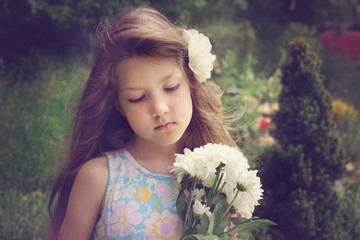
[[85, 200]]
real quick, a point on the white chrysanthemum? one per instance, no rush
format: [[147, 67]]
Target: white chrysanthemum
[[182, 166], [250, 193], [203, 161], [207, 166], [234, 169], [200, 58], [200, 209], [195, 165]]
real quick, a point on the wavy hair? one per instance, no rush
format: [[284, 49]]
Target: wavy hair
[[97, 125]]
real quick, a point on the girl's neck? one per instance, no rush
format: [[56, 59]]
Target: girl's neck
[[157, 158]]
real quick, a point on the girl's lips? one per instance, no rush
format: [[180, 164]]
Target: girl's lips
[[164, 126]]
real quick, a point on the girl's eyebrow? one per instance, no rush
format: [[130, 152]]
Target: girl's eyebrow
[[163, 80]]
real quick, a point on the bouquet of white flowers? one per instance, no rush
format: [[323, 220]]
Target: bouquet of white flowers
[[218, 193]]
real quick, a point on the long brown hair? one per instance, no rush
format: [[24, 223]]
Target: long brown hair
[[98, 126]]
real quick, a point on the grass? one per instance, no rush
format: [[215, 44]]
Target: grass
[[23, 216], [33, 125]]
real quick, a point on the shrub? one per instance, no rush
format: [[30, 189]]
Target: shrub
[[342, 111], [301, 169], [253, 95], [347, 120], [23, 216]]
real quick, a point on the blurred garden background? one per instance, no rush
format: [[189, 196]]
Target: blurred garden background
[[45, 54]]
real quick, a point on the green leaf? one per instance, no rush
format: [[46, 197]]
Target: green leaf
[[224, 237], [246, 236], [181, 205], [240, 220], [216, 216], [190, 231], [201, 237], [185, 182], [225, 222], [204, 224], [215, 200], [200, 229], [248, 225]]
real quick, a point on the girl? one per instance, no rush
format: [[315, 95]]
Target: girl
[[145, 100]]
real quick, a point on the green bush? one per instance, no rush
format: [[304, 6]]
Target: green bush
[[301, 170], [23, 216], [252, 94], [34, 123], [347, 121]]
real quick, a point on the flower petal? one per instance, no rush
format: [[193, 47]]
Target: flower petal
[[200, 58]]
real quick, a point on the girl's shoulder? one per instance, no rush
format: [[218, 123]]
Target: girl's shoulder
[[91, 180], [95, 169], [93, 176]]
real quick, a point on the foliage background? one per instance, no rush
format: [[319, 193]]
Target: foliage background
[[44, 58]]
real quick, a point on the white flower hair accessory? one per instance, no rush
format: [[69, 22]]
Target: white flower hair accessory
[[200, 58]]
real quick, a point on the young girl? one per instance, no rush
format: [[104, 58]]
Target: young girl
[[145, 100]]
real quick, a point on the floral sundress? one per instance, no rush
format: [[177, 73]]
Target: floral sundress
[[139, 204]]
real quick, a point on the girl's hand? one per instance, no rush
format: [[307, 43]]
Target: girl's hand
[[232, 225]]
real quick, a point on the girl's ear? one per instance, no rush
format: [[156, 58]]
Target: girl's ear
[[117, 106]]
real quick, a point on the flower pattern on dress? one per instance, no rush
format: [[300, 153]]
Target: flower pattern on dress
[[129, 192], [124, 216], [143, 194], [138, 204], [162, 190], [162, 226]]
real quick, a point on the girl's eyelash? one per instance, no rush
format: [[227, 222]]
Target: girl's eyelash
[[171, 89], [136, 100]]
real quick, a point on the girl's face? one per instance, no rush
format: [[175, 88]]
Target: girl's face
[[154, 96]]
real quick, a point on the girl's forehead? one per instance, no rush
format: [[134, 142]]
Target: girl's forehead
[[138, 61], [136, 69]]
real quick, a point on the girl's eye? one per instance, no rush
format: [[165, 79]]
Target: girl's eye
[[172, 89], [136, 100]]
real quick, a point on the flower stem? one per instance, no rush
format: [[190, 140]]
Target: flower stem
[[211, 193], [190, 203], [218, 183], [230, 205], [222, 187], [205, 199]]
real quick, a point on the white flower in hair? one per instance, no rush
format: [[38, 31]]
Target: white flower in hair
[[200, 58]]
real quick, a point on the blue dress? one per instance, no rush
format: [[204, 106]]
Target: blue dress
[[139, 204]]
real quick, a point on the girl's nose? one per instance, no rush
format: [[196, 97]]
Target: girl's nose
[[158, 108]]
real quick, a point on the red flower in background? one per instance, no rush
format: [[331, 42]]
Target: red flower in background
[[346, 43], [264, 122]]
